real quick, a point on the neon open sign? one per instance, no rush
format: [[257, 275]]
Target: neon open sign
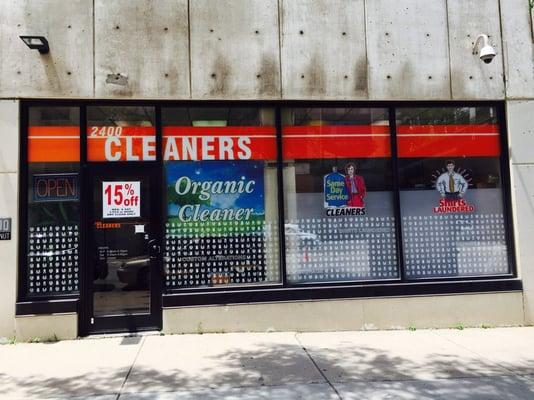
[[55, 187]]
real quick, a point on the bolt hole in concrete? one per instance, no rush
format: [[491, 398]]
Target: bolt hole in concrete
[[117, 79], [301, 32]]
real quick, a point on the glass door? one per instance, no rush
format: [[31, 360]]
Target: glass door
[[123, 251]]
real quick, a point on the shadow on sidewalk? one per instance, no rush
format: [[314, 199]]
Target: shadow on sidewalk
[[269, 364]]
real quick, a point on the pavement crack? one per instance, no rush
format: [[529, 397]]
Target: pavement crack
[[317, 367], [131, 368]]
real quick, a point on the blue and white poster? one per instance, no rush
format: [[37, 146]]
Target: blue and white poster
[[224, 196]]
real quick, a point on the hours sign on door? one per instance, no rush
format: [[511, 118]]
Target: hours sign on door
[[121, 199]]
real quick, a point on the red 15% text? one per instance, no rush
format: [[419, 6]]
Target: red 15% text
[[121, 195]]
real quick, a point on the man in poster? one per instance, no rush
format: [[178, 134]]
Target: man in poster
[[355, 186], [451, 185]]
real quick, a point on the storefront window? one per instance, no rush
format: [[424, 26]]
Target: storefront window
[[453, 221], [339, 218], [221, 191], [53, 201], [121, 134]]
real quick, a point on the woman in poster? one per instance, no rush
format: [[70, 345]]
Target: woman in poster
[[355, 186]]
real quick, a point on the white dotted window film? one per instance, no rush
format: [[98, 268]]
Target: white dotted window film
[[207, 254], [342, 249]]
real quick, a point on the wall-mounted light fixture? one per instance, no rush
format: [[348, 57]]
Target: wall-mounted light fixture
[[487, 52], [36, 43]]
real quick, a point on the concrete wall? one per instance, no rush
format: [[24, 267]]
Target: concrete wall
[[520, 115], [46, 327], [355, 314], [9, 161], [266, 49]]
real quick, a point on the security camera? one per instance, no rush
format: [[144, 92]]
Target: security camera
[[487, 52]]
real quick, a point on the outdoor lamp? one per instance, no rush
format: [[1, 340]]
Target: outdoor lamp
[[36, 43]]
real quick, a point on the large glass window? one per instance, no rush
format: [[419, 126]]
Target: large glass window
[[453, 220], [222, 202], [53, 201], [339, 214]]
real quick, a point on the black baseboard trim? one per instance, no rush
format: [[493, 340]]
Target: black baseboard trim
[[40, 307], [338, 292]]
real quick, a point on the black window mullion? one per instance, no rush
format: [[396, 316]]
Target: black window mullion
[[23, 207], [281, 207], [396, 192]]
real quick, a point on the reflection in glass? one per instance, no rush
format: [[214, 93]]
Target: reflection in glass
[[120, 245], [53, 201], [221, 190], [340, 224], [451, 194]]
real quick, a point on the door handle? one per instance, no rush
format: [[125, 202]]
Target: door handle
[[154, 249]]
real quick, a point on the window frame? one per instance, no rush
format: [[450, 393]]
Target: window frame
[[284, 290]]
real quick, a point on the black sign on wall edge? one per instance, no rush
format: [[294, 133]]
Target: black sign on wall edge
[[5, 228]]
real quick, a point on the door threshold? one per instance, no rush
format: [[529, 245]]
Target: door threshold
[[122, 334]]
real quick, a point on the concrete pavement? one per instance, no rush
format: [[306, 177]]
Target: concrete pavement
[[424, 364]]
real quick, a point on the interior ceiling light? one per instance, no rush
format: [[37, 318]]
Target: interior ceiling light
[[36, 43]]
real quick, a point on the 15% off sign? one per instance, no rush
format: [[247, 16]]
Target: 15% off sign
[[121, 199]]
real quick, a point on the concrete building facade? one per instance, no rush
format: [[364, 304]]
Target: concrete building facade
[[274, 55]]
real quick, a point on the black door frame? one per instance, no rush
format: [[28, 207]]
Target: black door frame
[[130, 322], [156, 290]]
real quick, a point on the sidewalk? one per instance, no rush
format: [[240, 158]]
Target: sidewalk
[[424, 364]]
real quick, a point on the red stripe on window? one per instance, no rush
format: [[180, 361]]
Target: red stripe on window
[[336, 141], [415, 141]]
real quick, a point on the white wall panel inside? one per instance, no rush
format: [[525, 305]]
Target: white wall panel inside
[[67, 70], [407, 49], [235, 49], [141, 49]]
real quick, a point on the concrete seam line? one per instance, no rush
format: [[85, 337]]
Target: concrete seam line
[[317, 367], [503, 368], [131, 368]]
